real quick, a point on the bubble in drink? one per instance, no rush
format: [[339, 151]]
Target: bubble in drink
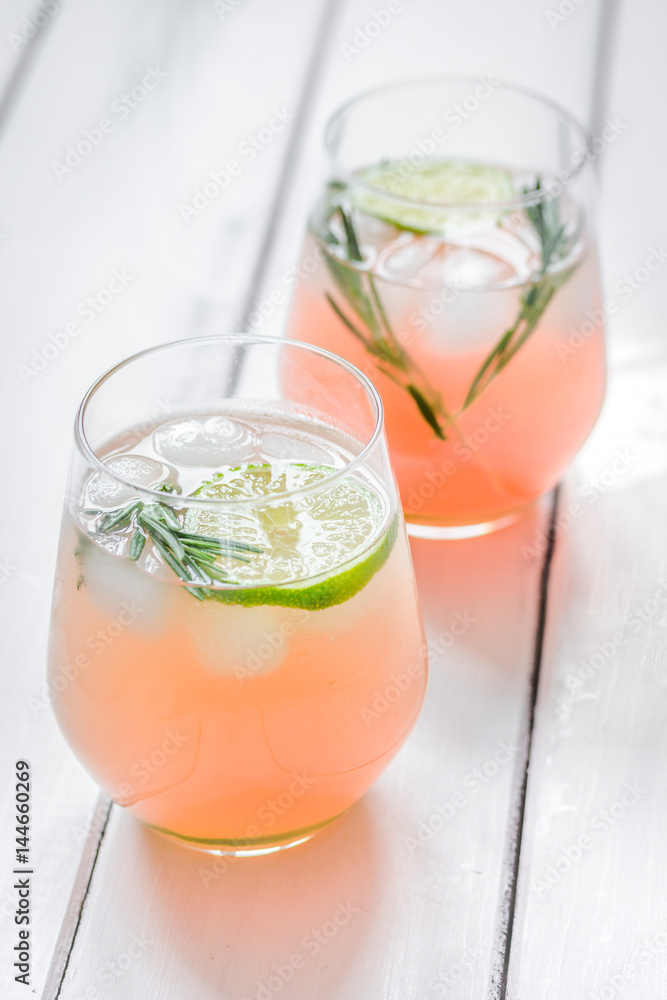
[[203, 441]]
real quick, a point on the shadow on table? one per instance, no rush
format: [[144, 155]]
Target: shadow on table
[[479, 596], [252, 927]]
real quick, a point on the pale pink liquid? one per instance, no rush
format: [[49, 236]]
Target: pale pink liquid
[[226, 725], [514, 441]]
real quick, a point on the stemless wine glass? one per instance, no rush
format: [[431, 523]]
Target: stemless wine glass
[[452, 259], [236, 647]]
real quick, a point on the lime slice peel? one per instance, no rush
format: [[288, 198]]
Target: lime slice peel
[[315, 551], [433, 182]]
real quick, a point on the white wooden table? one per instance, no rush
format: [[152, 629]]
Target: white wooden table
[[517, 846]]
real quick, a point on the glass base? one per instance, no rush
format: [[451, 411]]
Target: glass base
[[454, 531], [246, 847]]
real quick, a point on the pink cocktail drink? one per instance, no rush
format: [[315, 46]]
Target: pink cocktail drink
[[511, 444], [467, 288], [236, 649]]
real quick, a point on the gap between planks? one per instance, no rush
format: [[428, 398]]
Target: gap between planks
[[311, 82], [503, 941], [21, 72], [74, 912], [606, 37]]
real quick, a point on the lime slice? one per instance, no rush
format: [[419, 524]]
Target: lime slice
[[317, 550], [452, 182]]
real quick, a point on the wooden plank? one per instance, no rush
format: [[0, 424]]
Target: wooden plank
[[590, 918], [412, 874], [117, 210], [593, 865]]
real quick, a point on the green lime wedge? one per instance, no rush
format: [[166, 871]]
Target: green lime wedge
[[318, 549], [446, 182]]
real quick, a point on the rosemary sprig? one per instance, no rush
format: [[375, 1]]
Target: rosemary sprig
[[545, 219], [193, 558], [361, 295], [367, 321]]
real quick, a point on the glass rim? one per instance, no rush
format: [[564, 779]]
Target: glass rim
[[238, 339], [564, 179]]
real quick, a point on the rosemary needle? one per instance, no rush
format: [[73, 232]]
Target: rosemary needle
[[192, 557]]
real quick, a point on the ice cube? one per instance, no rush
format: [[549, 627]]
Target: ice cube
[[137, 469], [406, 259], [105, 491], [241, 642], [372, 233], [121, 590], [466, 267], [466, 320], [428, 262], [203, 441]]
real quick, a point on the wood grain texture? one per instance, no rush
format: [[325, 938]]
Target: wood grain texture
[[591, 915]]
